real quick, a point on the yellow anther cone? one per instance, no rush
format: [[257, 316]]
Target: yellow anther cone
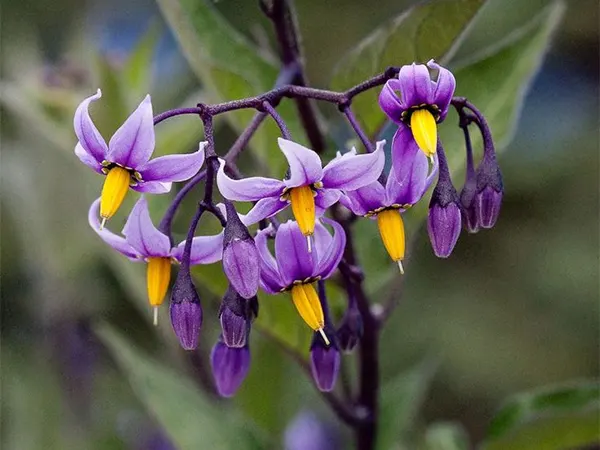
[[303, 207], [114, 191], [158, 276], [391, 229], [307, 303], [424, 130]]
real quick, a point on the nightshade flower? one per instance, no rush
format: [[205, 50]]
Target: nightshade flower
[[143, 242], [236, 315], [308, 186], [417, 104], [295, 269], [125, 161], [405, 186]]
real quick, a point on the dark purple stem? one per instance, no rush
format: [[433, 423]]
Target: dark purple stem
[[460, 103], [347, 110], [285, 133], [175, 112]]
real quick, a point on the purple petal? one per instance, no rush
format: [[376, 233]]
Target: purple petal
[[321, 240], [247, 189], [353, 171], [174, 167], [229, 367], [264, 208], [443, 226], [415, 85], [305, 165], [87, 158], [389, 100], [365, 199], [487, 206], [270, 280], [325, 198], [325, 365], [205, 249], [404, 150], [115, 241], [444, 88], [291, 250], [152, 187], [329, 260], [241, 265], [142, 235], [133, 143], [89, 137]]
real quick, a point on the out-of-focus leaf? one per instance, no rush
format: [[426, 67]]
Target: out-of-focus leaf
[[229, 67], [137, 71], [446, 436], [114, 108], [429, 30], [401, 399], [497, 85], [558, 417], [190, 419]]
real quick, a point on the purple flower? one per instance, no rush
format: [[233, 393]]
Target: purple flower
[[143, 242], [309, 186], [229, 367], [125, 161], [295, 269], [185, 310], [404, 188], [236, 315], [417, 104], [240, 257], [324, 363]]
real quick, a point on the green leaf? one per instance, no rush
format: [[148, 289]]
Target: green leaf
[[229, 67], [137, 71], [446, 436], [564, 416], [430, 30], [188, 417], [401, 399]]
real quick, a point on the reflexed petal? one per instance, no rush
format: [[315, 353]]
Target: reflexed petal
[[444, 88], [264, 208], [404, 148], [270, 280], [89, 137], [133, 143], [87, 158], [321, 240], [356, 171], [329, 261], [325, 198], [205, 249], [152, 187], [247, 189], [174, 167], [365, 199], [142, 235], [389, 100], [291, 250], [115, 241], [305, 164], [416, 86]]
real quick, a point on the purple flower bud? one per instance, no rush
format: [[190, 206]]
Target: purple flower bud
[[467, 203], [236, 315], [230, 367], [186, 311], [324, 362], [444, 219], [241, 262], [308, 432], [350, 330], [490, 190]]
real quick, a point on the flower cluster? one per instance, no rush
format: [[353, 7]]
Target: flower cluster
[[308, 249]]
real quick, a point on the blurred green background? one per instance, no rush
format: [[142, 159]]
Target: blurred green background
[[513, 308]]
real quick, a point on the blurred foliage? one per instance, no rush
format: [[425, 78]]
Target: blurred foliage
[[514, 308]]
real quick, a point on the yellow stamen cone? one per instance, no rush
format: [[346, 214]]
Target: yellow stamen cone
[[303, 207], [424, 130], [307, 303], [391, 229], [113, 192], [158, 276]]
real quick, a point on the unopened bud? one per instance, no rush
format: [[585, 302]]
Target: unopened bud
[[350, 330], [324, 362], [186, 311], [229, 367], [236, 315]]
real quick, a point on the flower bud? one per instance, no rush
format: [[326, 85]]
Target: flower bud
[[236, 315], [324, 362], [350, 330], [467, 202], [308, 432], [240, 256], [229, 367], [490, 191], [444, 218], [186, 311]]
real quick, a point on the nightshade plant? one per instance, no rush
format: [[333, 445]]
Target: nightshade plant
[[322, 194]]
